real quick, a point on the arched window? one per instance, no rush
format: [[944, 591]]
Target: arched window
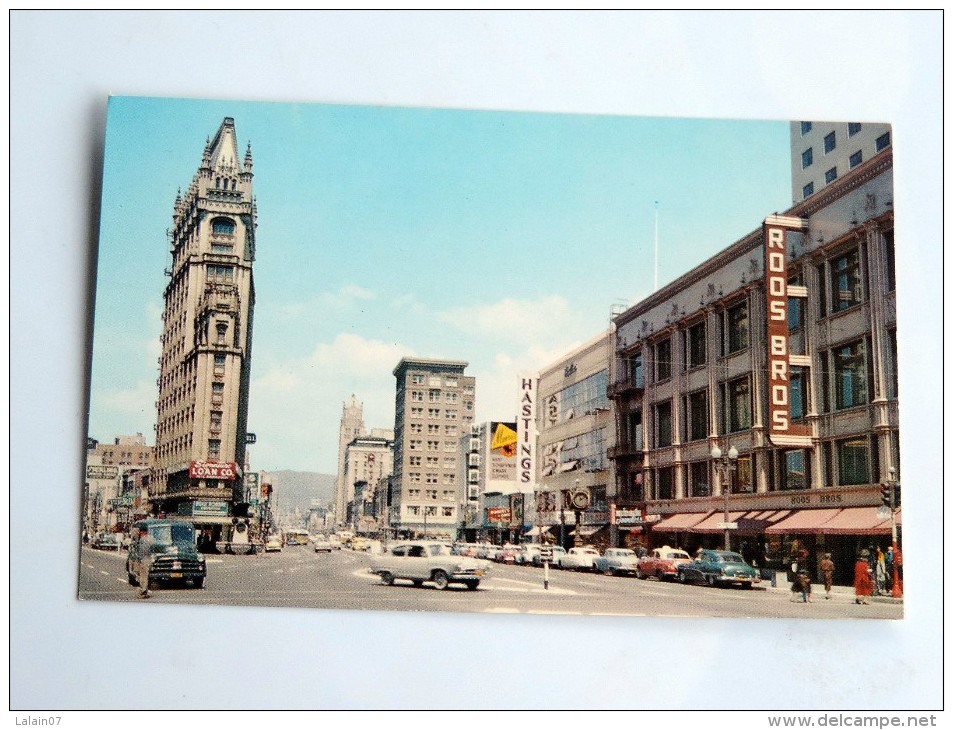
[[225, 226]]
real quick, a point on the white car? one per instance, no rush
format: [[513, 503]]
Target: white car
[[578, 558], [421, 561], [616, 561], [322, 544], [273, 544]]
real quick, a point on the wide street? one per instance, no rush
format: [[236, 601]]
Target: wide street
[[299, 577]]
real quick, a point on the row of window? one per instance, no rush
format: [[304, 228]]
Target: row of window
[[432, 445], [846, 373], [583, 397], [448, 495], [414, 477], [414, 510], [843, 284], [449, 381], [853, 461]]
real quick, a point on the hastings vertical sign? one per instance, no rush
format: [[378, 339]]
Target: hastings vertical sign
[[780, 428], [526, 433]]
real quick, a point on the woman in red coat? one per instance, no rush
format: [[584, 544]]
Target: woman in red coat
[[863, 585]]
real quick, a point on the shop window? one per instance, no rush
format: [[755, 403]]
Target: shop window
[[663, 424], [736, 327], [663, 360], [696, 415], [737, 400], [695, 352], [665, 482], [699, 477], [794, 469], [889, 256], [744, 475], [798, 392], [850, 375], [853, 465], [846, 278]]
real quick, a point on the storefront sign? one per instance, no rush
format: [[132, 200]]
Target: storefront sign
[[628, 517], [209, 508], [499, 514], [526, 424], [102, 472], [781, 430], [213, 470]]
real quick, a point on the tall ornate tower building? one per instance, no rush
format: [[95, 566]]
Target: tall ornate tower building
[[352, 426], [205, 366]]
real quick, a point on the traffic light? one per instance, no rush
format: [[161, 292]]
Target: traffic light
[[886, 496], [896, 495]]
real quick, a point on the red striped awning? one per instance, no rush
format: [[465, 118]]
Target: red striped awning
[[857, 521], [682, 522], [803, 522]]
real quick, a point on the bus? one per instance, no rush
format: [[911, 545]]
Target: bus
[[296, 537]]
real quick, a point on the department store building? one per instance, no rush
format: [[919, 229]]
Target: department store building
[[784, 347]]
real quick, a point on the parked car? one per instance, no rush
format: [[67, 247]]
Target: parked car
[[273, 544], [359, 543], [718, 567], [558, 554], [663, 563], [488, 551], [507, 554], [107, 541], [578, 558], [616, 561], [174, 556], [335, 542], [423, 561], [322, 545]]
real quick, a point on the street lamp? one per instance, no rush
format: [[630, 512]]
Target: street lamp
[[725, 466]]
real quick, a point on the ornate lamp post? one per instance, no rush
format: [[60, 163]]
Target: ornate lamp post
[[725, 466]]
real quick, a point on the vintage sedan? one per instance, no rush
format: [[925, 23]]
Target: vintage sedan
[[423, 561], [616, 561], [718, 567], [662, 563], [107, 541], [578, 558]]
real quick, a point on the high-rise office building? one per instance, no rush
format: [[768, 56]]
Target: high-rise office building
[[821, 152], [352, 426], [435, 404], [205, 365]]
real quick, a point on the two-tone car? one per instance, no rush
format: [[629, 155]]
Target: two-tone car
[[718, 567], [422, 561], [616, 561], [662, 563], [578, 558]]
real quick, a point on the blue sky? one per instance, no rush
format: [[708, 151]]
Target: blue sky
[[498, 238]]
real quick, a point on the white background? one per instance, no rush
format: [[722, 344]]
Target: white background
[[808, 65]]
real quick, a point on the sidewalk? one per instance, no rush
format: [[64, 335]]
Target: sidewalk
[[839, 593]]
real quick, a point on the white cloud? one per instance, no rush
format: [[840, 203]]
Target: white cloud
[[341, 300], [512, 319]]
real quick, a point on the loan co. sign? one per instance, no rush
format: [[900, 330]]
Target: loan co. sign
[[213, 470], [780, 428]]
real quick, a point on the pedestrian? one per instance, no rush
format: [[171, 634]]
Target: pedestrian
[[880, 573], [863, 584], [802, 585], [889, 561], [827, 570], [141, 555]]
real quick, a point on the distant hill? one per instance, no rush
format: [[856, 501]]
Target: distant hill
[[300, 489]]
